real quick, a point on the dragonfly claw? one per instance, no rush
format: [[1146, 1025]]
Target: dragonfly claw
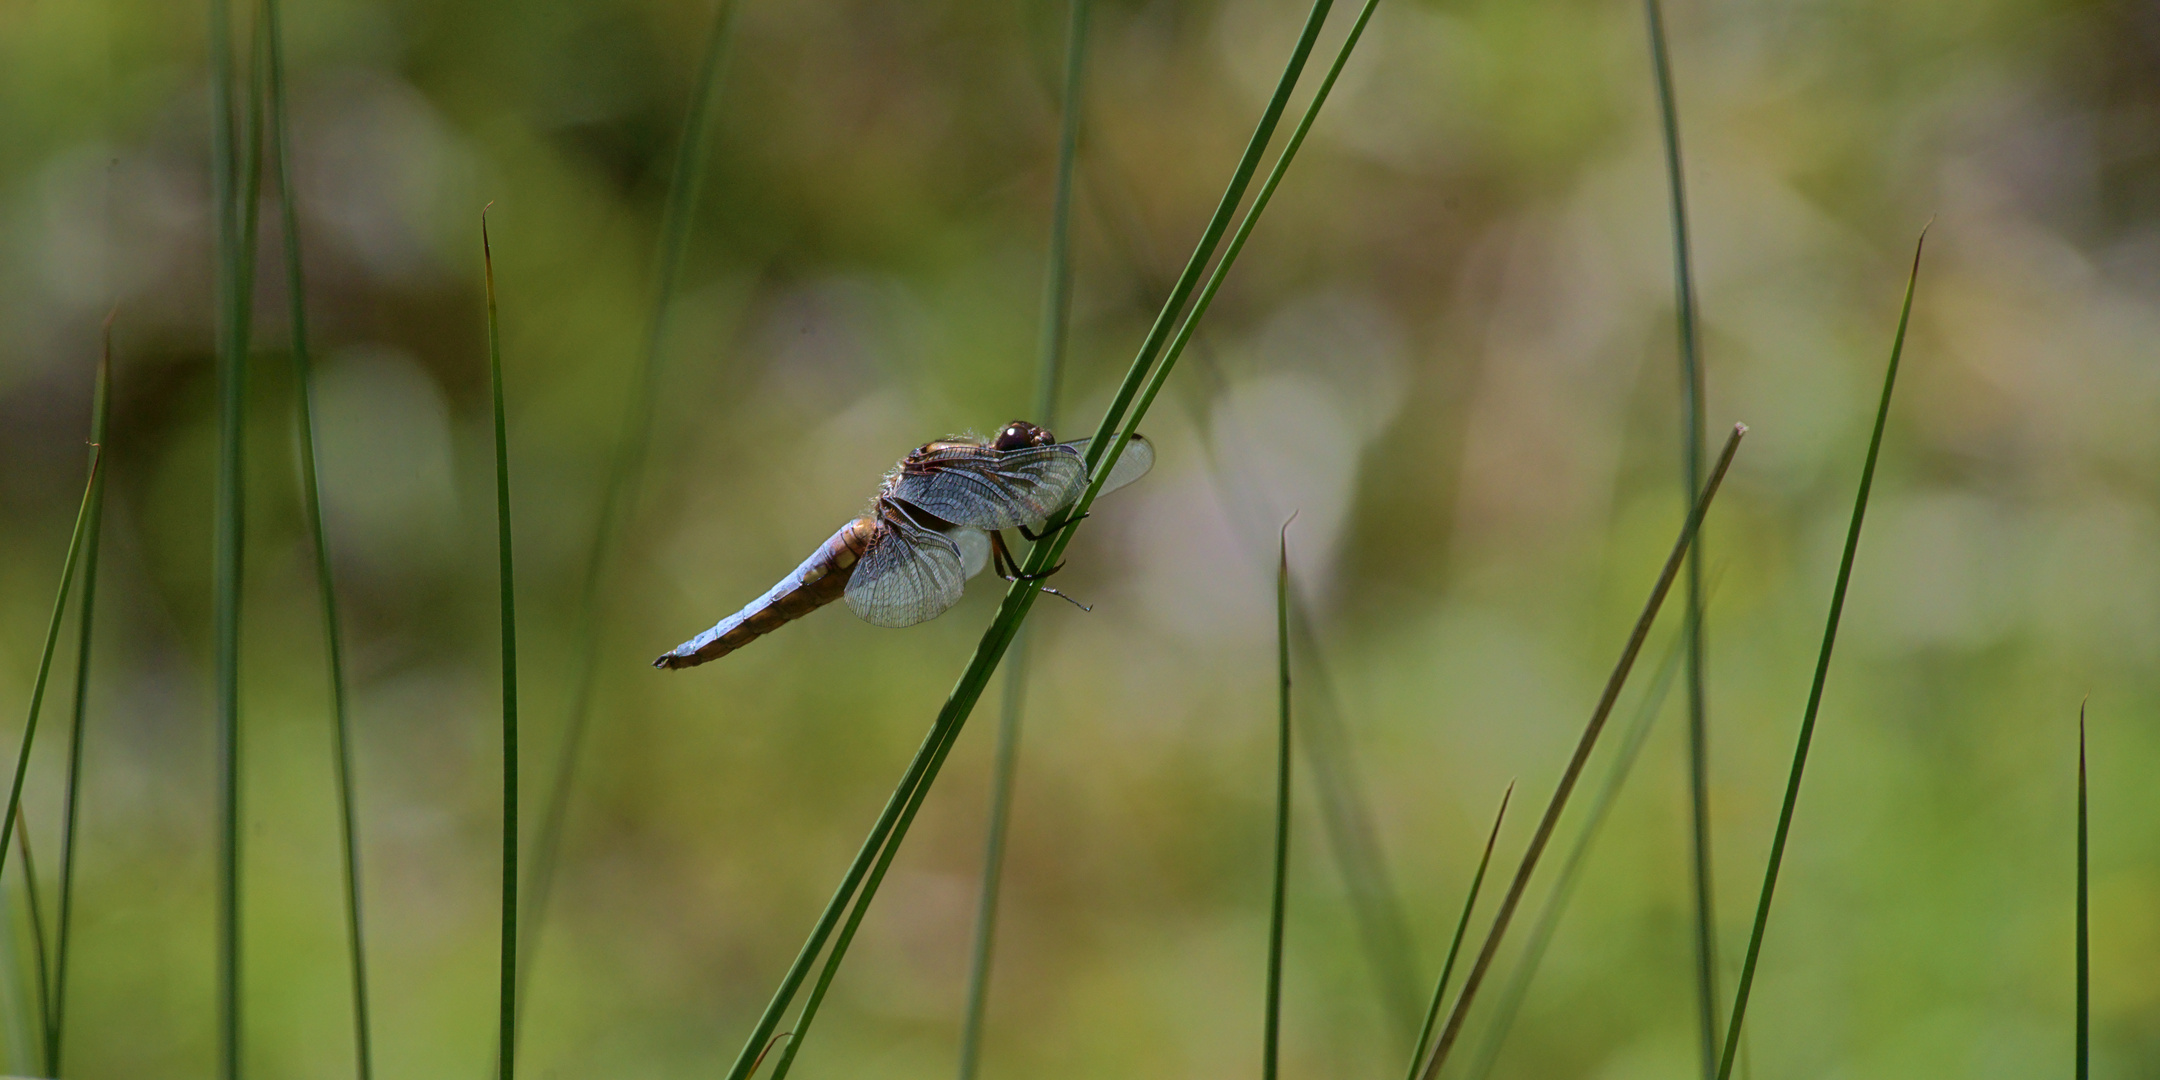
[[1065, 598]]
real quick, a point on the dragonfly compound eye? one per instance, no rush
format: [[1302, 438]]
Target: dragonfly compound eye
[[1020, 434]]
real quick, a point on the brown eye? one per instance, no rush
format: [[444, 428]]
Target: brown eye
[[1020, 434]]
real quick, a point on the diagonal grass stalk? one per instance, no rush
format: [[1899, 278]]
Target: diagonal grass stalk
[[506, 1043], [1345, 812], [311, 495], [1020, 597], [1563, 890], [1822, 674], [1050, 365], [100, 417], [1588, 742], [1271, 1045], [2084, 920], [1462, 927], [1691, 389], [622, 482]]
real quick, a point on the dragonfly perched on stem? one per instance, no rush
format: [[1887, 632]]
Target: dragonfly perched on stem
[[937, 520]]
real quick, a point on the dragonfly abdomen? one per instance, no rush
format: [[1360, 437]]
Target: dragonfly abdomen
[[820, 580]]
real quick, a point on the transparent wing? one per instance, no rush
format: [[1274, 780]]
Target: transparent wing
[[1134, 463], [974, 545], [911, 574], [984, 488]]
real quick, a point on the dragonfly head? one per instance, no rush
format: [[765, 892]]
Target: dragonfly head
[[1020, 434]]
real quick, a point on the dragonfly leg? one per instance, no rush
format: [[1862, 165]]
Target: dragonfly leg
[[1007, 567], [1052, 528]]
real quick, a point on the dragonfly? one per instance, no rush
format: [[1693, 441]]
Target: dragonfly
[[937, 520]]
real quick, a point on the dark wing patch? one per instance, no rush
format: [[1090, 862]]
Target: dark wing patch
[[911, 574], [984, 488]]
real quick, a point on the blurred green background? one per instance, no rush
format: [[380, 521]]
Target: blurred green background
[[1450, 347]]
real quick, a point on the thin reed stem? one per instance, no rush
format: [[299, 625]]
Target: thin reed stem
[[1598, 717], [11, 825], [100, 417], [1050, 365], [506, 577], [623, 479], [2084, 922], [1020, 596], [1691, 391], [1271, 1045], [1822, 675], [318, 534], [1462, 927]]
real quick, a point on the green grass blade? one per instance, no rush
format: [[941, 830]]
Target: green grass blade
[[1588, 742], [236, 169], [1462, 927], [52, 643], [37, 936], [1050, 366], [1563, 890], [506, 576], [1271, 1045], [1822, 674], [622, 482], [100, 416], [1346, 814], [225, 586], [311, 494], [2084, 913], [1691, 383], [1019, 599], [12, 824]]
